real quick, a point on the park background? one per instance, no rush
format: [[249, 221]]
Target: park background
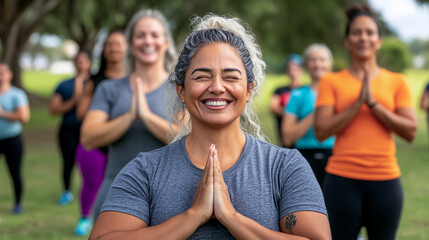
[[38, 34]]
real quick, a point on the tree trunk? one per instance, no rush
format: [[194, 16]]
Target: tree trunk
[[17, 29]]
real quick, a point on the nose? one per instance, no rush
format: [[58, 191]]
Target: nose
[[216, 85]]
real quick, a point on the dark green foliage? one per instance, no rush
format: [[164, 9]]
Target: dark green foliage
[[394, 55]]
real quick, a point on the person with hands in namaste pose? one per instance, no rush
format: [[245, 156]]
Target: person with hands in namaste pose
[[129, 114], [218, 179], [362, 106]]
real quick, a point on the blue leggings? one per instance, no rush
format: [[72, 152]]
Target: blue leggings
[[351, 204]]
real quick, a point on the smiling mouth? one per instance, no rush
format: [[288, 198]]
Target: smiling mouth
[[216, 103], [149, 50]]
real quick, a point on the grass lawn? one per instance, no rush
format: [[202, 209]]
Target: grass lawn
[[44, 219]]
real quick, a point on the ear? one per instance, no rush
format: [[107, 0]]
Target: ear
[[180, 92], [250, 90], [346, 43]]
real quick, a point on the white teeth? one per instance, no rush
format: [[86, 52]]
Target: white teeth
[[216, 103], [149, 50]]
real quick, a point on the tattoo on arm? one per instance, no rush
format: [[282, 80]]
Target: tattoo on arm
[[290, 222]]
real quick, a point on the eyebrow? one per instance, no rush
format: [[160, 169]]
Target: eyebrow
[[209, 70]]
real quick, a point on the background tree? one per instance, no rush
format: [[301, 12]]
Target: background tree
[[18, 20]]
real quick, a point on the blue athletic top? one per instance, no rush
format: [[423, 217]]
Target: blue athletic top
[[301, 104], [66, 89], [10, 101]]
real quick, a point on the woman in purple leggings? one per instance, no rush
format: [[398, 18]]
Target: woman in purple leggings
[[92, 163]]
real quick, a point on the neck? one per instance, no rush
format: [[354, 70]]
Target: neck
[[314, 83], [152, 76], [229, 143], [357, 68], [294, 83], [114, 70], [4, 87]]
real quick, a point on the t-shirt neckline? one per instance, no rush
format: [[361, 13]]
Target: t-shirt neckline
[[197, 171]]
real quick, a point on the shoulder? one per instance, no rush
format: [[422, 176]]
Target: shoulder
[[17, 91], [304, 90], [272, 153], [281, 90], [65, 84], [113, 87], [112, 84], [147, 161], [334, 76], [393, 75]]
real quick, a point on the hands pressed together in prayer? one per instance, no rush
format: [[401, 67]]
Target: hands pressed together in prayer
[[139, 106], [366, 96], [212, 199]]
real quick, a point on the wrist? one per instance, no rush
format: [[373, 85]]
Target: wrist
[[196, 216], [372, 104]]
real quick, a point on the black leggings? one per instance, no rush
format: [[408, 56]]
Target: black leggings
[[351, 204], [68, 139], [12, 148], [317, 158]]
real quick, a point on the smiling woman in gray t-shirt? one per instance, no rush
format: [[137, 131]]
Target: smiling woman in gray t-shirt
[[216, 181]]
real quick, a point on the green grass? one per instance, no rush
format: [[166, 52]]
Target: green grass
[[44, 219], [42, 83]]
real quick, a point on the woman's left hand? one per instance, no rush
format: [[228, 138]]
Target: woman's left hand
[[223, 208], [142, 106], [366, 81]]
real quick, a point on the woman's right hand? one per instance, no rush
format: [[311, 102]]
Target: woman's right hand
[[203, 200], [365, 90], [133, 105]]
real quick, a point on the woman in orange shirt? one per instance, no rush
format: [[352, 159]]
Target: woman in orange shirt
[[363, 105]]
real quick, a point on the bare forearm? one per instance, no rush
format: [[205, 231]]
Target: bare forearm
[[405, 127], [96, 134], [181, 226], [82, 107], [158, 126], [327, 126], [242, 227], [292, 131], [63, 106], [22, 114]]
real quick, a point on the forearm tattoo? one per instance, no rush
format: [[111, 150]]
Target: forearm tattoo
[[290, 222]]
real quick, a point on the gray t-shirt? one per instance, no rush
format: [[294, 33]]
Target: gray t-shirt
[[265, 184], [114, 98]]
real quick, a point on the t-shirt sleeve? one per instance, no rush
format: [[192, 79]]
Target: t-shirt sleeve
[[129, 192], [403, 96], [100, 101], [21, 99], [294, 102], [60, 89], [325, 93], [299, 190], [427, 88]]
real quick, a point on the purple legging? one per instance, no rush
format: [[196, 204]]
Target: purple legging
[[92, 165]]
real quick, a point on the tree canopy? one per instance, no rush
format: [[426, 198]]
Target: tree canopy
[[281, 27]]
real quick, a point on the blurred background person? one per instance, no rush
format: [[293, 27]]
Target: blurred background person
[[92, 163], [63, 102], [14, 111], [363, 106], [424, 103], [128, 114], [298, 117], [281, 96]]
